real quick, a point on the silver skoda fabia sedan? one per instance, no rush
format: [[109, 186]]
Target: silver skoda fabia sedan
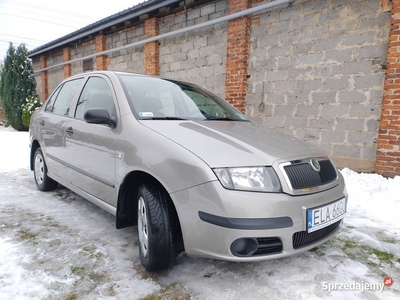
[[193, 173]]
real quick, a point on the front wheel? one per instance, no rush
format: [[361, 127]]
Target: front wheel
[[43, 182], [157, 235]]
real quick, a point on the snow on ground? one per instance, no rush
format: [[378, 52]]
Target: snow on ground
[[57, 245]]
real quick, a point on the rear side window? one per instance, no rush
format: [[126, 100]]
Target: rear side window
[[60, 102], [50, 103]]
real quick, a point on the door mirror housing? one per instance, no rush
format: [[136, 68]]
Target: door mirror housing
[[99, 116]]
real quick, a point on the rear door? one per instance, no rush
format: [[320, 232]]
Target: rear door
[[90, 148], [52, 123]]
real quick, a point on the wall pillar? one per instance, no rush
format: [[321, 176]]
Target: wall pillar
[[101, 60], [151, 50], [67, 57], [388, 153], [237, 55], [44, 79]]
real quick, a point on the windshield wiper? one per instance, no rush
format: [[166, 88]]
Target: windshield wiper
[[163, 118], [222, 119]]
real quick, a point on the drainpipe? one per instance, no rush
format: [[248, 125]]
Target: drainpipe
[[233, 16]]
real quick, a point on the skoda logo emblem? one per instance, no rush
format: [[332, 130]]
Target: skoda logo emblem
[[315, 165]]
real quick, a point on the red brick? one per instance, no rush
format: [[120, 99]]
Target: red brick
[[237, 55], [67, 57], [384, 168], [101, 60], [151, 50], [44, 79]]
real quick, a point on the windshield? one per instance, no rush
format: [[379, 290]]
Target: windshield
[[164, 99]]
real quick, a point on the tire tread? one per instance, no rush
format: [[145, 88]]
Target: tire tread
[[161, 219]]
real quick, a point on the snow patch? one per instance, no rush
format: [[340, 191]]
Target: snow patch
[[57, 245]]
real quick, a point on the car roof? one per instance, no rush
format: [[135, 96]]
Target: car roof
[[107, 73], [115, 73]]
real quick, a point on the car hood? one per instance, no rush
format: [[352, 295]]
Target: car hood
[[232, 143]]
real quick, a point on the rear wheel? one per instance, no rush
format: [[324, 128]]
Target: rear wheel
[[43, 182], [157, 235]]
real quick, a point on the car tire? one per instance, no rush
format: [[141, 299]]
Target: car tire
[[43, 182], [156, 219]]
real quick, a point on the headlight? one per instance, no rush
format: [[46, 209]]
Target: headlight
[[257, 179]]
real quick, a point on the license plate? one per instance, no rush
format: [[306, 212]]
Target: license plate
[[320, 217]]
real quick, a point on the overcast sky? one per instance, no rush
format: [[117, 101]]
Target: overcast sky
[[38, 22]]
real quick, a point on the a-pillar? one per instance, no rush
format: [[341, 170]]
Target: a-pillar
[[67, 57], [101, 60], [151, 50], [388, 152], [44, 78], [237, 55]]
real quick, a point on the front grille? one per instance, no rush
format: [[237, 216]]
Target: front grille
[[268, 246], [302, 175], [303, 238]]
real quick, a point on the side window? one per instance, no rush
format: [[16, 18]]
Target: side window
[[95, 94], [50, 103], [63, 98]]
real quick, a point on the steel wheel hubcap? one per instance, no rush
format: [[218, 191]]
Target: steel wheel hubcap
[[39, 169], [142, 227]]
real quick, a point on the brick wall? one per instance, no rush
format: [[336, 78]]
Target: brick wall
[[67, 57], [317, 68], [44, 78], [38, 78], [237, 53], [388, 155], [151, 50], [101, 60]]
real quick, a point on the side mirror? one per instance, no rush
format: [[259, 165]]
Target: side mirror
[[99, 116]]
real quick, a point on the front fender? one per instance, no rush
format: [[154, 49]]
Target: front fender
[[145, 150]]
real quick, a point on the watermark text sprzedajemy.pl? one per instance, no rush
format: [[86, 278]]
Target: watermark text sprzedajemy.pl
[[352, 286]]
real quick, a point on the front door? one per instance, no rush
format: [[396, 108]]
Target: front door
[[90, 148]]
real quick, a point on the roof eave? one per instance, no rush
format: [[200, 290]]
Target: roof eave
[[94, 28]]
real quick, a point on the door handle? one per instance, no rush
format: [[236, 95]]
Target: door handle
[[69, 130], [42, 123]]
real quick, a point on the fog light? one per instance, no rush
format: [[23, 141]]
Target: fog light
[[244, 247]]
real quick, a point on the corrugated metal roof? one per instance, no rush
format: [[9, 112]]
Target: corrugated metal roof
[[141, 9]]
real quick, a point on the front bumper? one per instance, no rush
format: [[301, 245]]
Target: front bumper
[[212, 218]]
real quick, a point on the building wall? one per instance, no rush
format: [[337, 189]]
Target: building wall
[[55, 76], [36, 66], [197, 56], [128, 60], [388, 154], [317, 67], [81, 50]]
